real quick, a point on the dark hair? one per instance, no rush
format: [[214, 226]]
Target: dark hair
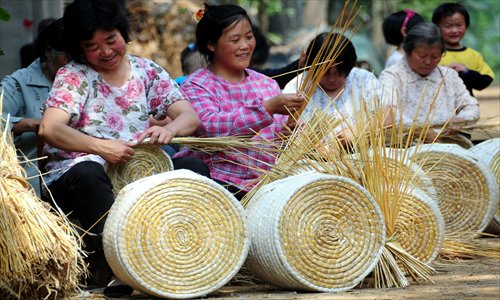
[[346, 58], [212, 25], [393, 23], [44, 23], [261, 51], [83, 18], [449, 9], [423, 34], [51, 36]]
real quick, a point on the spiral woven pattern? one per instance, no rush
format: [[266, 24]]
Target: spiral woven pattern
[[314, 232], [465, 189], [420, 226], [489, 153], [147, 160], [176, 235]]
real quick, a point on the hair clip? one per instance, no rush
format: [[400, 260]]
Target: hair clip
[[409, 14], [199, 14]]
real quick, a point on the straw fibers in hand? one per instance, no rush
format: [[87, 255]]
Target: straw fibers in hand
[[314, 232], [466, 190], [488, 152], [147, 160], [176, 235]]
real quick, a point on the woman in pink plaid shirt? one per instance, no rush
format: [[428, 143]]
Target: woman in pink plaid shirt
[[233, 100]]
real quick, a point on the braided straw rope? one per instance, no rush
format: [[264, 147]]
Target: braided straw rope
[[420, 226], [147, 160], [176, 235], [489, 153], [465, 189], [314, 231]]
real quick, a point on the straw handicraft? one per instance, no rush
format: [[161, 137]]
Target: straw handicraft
[[176, 235], [488, 152], [40, 254], [314, 232], [147, 160], [465, 189]]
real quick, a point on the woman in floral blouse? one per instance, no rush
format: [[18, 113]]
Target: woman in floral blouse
[[100, 105], [429, 94]]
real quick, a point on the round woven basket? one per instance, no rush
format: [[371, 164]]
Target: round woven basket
[[465, 189], [315, 232], [420, 226], [147, 160], [489, 153], [176, 235]]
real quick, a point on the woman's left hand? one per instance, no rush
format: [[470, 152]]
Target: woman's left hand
[[158, 135]]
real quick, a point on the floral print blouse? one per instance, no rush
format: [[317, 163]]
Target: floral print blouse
[[105, 111]]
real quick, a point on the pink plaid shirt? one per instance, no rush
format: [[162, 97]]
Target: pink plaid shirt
[[234, 109]]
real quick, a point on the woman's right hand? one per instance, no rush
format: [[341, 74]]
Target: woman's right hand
[[116, 151], [284, 104]]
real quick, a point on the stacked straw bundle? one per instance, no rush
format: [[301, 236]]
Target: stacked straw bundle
[[488, 152], [176, 235], [147, 160], [465, 188], [40, 254], [338, 225]]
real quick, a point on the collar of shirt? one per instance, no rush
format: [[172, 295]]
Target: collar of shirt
[[435, 76], [35, 75]]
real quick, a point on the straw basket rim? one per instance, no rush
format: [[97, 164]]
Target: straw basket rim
[[192, 277]]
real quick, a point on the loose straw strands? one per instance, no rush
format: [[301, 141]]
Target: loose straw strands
[[41, 256]]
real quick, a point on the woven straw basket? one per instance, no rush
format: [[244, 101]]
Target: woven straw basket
[[489, 153], [420, 226], [176, 235], [147, 160], [466, 190], [314, 232]]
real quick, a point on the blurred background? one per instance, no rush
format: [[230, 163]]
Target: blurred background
[[163, 28]]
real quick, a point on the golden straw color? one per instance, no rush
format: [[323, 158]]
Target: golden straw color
[[336, 222], [40, 253], [488, 152], [176, 235], [147, 160], [465, 189]]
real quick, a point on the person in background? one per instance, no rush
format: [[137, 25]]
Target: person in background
[[453, 20], [395, 28], [98, 109], [191, 60], [233, 100], [25, 91], [28, 52], [418, 80]]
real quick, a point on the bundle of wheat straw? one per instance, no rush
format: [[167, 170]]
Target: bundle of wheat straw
[[41, 255]]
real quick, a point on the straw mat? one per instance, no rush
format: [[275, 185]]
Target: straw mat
[[147, 160], [315, 232], [176, 235], [489, 153], [420, 226], [465, 189]]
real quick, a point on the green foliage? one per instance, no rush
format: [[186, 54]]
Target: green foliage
[[4, 16], [483, 33]]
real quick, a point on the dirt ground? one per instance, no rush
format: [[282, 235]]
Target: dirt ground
[[489, 105], [460, 279]]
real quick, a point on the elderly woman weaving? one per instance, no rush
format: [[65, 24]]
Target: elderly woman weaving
[[429, 94]]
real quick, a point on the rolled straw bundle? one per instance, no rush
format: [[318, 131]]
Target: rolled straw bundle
[[176, 235], [147, 160], [466, 190], [314, 232], [489, 153], [40, 254]]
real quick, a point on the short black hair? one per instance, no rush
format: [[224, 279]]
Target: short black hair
[[345, 61], [51, 36], [391, 27], [211, 26], [449, 9], [82, 18]]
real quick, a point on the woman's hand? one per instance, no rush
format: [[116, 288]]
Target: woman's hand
[[163, 122], [458, 67], [115, 151], [26, 124], [284, 104], [158, 135]]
